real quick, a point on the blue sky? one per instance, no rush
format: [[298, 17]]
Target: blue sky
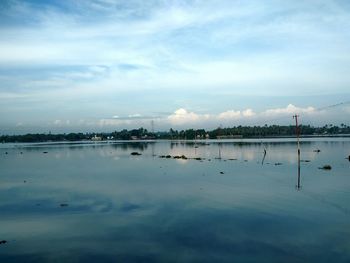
[[107, 64]]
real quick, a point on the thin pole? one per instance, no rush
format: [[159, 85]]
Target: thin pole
[[298, 143]]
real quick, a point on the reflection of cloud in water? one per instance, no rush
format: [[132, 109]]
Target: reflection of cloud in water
[[127, 207], [130, 211], [179, 233], [181, 161]]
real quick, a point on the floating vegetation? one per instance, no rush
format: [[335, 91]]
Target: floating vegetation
[[135, 153], [326, 167], [180, 157]]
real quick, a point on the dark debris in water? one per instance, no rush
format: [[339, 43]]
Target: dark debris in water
[[135, 153], [180, 157], [278, 163], [326, 167], [3, 242], [45, 152], [221, 172], [183, 157], [305, 161], [63, 205], [317, 151]]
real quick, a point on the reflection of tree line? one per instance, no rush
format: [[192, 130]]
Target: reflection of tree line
[[124, 146], [189, 134]]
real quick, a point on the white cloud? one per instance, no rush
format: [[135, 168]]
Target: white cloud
[[233, 117], [231, 114], [182, 116], [290, 109], [57, 122], [62, 122], [248, 113], [136, 115]]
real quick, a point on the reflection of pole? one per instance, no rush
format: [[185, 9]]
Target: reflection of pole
[[153, 150], [298, 186], [298, 143], [262, 162]]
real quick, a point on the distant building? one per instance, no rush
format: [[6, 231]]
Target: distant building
[[96, 138]]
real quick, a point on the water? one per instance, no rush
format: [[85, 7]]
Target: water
[[86, 202]]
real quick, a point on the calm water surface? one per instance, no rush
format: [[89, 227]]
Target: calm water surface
[[86, 202]]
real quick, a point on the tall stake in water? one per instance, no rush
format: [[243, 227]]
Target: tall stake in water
[[298, 143]]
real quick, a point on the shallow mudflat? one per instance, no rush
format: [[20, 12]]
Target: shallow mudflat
[[204, 201]]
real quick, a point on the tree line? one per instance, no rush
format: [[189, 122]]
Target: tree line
[[189, 134]]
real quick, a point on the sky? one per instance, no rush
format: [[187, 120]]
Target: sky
[[104, 65]]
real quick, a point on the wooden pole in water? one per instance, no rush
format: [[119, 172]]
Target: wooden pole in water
[[298, 143]]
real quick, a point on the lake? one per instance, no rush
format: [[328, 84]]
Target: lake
[[95, 202]]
